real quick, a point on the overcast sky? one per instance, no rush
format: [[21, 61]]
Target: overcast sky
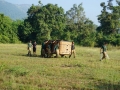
[[91, 7]]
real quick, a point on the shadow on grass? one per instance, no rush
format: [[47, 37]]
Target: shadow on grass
[[31, 55], [26, 55], [108, 86], [102, 84]]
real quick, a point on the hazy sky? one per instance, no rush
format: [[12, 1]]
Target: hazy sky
[[91, 7]]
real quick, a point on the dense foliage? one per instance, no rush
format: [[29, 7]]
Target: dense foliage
[[46, 22], [50, 22], [8, 30], [109, 23]]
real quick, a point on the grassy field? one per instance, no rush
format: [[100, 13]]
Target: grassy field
[[85, 72]]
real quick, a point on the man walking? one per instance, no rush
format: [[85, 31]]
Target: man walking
[[103, 50]]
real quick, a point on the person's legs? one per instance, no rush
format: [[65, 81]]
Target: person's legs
[[74, 53], [34, 51], [71, 53], [57, 52], [29, 52], [107, 56], [43, 53], [49, 53], [104, 55]]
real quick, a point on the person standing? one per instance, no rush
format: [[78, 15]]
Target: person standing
[[72, 50], [103, 50], [29, 48], [57, 49], [48, 49], [34, 48], [43, 49]]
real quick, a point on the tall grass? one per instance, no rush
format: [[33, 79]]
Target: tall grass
[[85, 72]]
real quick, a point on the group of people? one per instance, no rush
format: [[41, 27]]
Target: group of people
[[48, 48], [53, 48]]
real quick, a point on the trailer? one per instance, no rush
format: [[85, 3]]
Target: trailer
[[64, 48]]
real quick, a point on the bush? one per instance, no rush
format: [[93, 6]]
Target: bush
[[4, 39], [113, 39]]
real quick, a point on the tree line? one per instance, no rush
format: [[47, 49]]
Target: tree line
[[51, 22]]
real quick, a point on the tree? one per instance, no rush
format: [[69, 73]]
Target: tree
[[109, 18], [109, 23], [75, 18], [46, 21], [8, 32], [25, 31], [80, 27]]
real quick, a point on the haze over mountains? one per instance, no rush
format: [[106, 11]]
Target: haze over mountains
[[14, 11]]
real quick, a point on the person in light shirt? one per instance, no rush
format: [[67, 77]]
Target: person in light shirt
[[29, 48], [72, 50]]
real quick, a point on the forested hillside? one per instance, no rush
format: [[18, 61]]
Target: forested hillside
[[13, 11]]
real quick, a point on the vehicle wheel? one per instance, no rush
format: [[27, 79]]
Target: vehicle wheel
[[62, 55]]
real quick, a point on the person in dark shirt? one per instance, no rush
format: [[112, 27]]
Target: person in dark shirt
[[43, 49], [103, 50], [34, 48], [57, 49]]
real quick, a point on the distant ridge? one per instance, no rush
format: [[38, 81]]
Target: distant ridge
[[14, 11]]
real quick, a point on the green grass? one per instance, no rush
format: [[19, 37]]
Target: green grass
[[85, 72]]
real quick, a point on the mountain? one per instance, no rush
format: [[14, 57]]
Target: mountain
[[14, 11]]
